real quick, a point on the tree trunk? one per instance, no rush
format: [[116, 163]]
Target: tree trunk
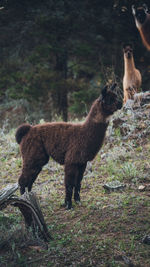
[[62, 70]]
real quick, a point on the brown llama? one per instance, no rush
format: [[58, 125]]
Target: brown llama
[[142, 21], [132, 78], [69, 144]]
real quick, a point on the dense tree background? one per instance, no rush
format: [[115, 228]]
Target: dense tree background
[[60, 53]]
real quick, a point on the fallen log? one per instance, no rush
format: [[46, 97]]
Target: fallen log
[[29, 206], [6, 193]]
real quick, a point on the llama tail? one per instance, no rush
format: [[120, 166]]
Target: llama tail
[[22, 131]]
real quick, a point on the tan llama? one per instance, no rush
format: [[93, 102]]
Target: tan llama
[[132, 78]]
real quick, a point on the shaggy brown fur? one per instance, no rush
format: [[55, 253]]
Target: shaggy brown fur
[[67, 143], [132, 78], [142, 20]]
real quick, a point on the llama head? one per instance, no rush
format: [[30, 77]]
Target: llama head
[[110, 100], [140, 14], [128, 50]]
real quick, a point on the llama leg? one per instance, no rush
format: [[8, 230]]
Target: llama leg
[[30, 172], [125, 97], [34, 176], [81, 169], [71, 174], [27, 178], [23, 183]]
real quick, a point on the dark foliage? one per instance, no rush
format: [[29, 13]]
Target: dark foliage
[[60, 47]]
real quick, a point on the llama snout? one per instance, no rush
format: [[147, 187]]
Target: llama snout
[[129, 55]]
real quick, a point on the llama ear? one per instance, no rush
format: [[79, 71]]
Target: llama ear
[[113, 86], [145, 8], [133, 10], [127, 44]]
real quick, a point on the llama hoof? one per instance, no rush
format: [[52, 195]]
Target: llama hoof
[[77, 199], [68, 205]]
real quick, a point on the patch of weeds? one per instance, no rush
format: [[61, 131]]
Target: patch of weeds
[[18, 257], [111, 168], [18, 162], [117, 171], [122, 245], [128, 245], [64, 240], [3, 261], [3, 159], [132, 244], [125, 201], [139, 149], [84, 217], [128, 171], [103, 226], [117, 132], [120, 152], [93, 206], [10, 147], [72, 212], [7, 220], [61, 226]]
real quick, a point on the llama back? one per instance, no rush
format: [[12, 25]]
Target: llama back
[[57, 137]]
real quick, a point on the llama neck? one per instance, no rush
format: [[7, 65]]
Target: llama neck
[[96, 123], [94, 130], [144, 32], [129, 65], [96, 115]]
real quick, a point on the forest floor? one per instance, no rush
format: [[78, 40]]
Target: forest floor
[[108, 227]]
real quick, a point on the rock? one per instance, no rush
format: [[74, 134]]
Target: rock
[[129, 104], [142, 188], [146, 239], [142, 98], [114, 186]]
